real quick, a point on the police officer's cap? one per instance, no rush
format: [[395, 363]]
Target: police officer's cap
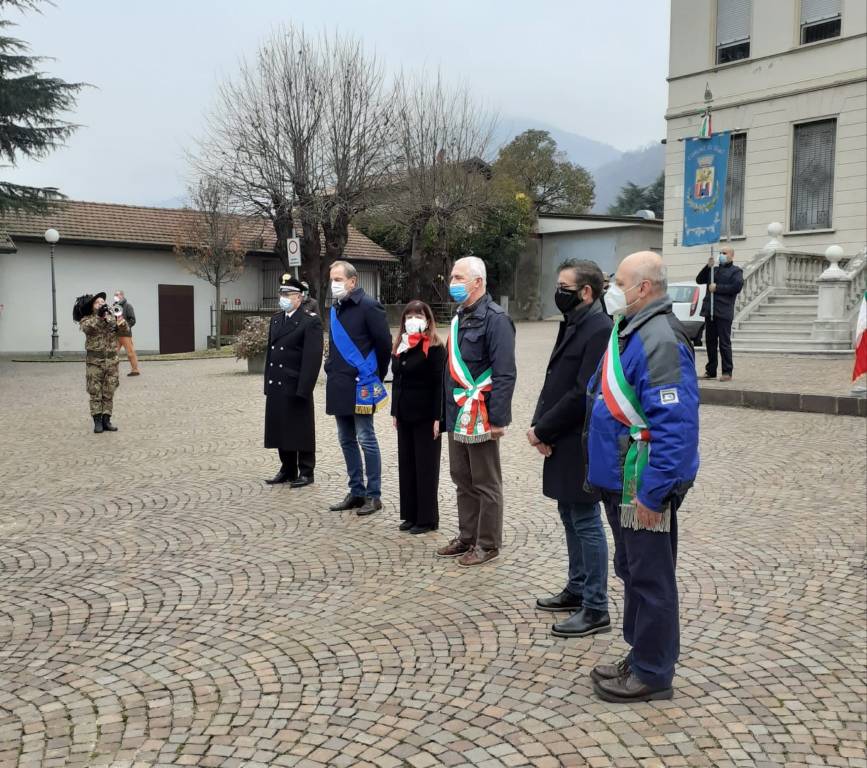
[[289, 284]]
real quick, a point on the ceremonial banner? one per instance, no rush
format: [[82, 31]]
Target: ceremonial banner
[[704, 183]]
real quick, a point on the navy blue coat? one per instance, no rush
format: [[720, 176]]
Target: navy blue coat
[[729, 281], [562, 406], [486, 337], [365, 322]]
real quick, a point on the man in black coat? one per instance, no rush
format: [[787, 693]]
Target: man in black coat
[[556, 432], [723, 287], [292, 364], [364, 321]]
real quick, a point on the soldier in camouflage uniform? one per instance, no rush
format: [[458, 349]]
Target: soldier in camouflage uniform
[[100, 329]]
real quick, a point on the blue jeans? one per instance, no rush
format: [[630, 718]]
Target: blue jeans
[[353, 431], [588, 553]]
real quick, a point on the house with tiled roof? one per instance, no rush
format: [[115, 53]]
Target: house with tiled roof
[[108, 247]]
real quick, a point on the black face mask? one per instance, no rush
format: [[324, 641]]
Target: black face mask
[[566, 300]]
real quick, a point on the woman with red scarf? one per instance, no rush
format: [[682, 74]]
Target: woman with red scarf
[[418, 362]]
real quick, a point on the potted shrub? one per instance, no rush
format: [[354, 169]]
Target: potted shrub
[[251, 343]]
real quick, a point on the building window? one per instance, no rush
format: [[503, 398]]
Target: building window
[[733, 205], [813, 175], [733, 21], [820, 20]]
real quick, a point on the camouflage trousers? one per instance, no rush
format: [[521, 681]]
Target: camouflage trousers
[[102, 380]]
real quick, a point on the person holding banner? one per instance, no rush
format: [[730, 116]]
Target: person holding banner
[[359, 352], [479, 382], [643, 447], [724, 282]]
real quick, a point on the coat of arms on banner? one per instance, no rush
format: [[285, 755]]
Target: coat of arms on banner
[[704, 176]]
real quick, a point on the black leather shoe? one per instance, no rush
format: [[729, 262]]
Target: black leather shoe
[[587, 621], [280, 477], [626, 689], [97, 422], [106, 423], [369, 507], [406, 525], [301, 481], [610, 671], [565, 601], [350, 502], [417, 529]]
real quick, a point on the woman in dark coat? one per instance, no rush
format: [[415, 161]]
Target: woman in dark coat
[[418, 361], [292, 365]]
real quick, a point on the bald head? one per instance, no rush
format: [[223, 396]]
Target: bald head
[[642, 277]]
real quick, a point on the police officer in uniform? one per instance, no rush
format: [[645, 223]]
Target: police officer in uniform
[[292, 365], [100, 328]]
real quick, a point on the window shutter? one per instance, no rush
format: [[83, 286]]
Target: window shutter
[[733, 19], [813, 175], [733, 205], [819, 10]]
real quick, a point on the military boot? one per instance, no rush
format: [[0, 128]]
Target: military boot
[[106, 423], [97, 422]]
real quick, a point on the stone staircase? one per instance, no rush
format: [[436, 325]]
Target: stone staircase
[[783, 322]]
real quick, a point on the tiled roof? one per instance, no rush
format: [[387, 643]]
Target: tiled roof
[[111, 224]]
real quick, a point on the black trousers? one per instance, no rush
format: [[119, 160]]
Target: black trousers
[[418, 467], [295, 463], [718, 332]]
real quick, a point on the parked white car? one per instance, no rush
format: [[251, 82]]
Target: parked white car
[[686, 299]]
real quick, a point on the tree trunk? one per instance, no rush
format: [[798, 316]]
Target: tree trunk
[[283, 224], [311, 246], [417, 259], [219, 315]]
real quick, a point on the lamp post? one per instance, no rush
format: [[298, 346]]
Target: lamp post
[[51, 237]]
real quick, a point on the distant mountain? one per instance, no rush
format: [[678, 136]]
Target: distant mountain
[[640, 166], [588, 153]]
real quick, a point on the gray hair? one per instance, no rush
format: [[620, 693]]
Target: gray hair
[[657, 274], [476, 267], [348, 269]]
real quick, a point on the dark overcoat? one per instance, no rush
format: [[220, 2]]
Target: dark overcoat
[[364, 320], [729, 281], [417, 387], [559, 417], [292, 365]]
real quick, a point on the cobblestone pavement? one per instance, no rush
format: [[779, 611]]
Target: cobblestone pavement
[[160, 605]]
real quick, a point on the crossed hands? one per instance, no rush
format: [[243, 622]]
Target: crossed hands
[[545, 450]]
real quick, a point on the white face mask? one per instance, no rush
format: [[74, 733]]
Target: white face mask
[[615, 300], [286, 304], [338, 290], [116, 299], [416, 325]]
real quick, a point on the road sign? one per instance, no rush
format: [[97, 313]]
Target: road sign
[[293, 250]]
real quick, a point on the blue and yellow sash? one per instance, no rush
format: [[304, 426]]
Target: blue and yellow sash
[[369, 390]]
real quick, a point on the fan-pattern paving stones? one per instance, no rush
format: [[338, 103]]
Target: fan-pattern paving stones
[[160, 605]]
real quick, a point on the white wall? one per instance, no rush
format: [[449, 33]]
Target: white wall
[[25, 292], [766, 98]]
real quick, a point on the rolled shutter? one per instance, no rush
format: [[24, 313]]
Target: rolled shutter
[[733, 20], [819, 10]]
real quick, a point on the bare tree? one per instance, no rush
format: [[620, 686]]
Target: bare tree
[[442, 177], [210, 241]]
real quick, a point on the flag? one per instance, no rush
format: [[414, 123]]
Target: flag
[[861, 340], [704, 130]]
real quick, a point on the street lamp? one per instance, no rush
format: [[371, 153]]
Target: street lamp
[[51, 237]]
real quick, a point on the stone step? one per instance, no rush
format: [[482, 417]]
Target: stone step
[[784, 309], [790, 345], [775, 324], [798, 301], [790, 333]]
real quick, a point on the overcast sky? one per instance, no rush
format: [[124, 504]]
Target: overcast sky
[[592, 68]]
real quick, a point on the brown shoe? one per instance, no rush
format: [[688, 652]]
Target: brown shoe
[[455, 548], [478, 556], [725, 377]]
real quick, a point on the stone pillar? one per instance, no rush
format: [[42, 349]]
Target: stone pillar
[[780, 262], [831, 324]]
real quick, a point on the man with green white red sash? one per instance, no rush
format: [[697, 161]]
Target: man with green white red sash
[[479, 381], [642, 445]]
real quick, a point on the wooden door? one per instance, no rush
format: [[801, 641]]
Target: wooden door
[[177, 319]]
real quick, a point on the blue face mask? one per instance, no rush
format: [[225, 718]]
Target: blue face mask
[[459, 293], [723, 260], [286, 304]]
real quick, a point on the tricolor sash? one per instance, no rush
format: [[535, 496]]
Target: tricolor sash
[[625, 407], [369, 390], [471, 424]]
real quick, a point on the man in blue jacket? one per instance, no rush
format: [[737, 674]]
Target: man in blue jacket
[[724, 282], [359, 351], [643, 452]]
